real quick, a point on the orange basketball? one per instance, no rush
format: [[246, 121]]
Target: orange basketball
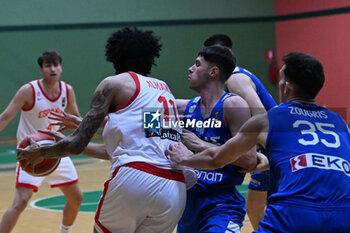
[[46, 166]]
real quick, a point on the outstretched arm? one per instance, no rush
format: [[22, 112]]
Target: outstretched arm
[[253, 132], [95, 150]]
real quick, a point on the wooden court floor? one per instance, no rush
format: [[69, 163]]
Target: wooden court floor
[[92, 174]]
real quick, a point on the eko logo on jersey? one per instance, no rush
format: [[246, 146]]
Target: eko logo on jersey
[[314, 160]]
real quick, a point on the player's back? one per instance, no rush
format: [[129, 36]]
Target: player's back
[[309, 153], [141, 130]]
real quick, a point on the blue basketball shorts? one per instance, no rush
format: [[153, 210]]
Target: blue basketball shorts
[[300, 218]]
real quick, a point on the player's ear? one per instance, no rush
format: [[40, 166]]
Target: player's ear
[[214, 72], [288, 88]]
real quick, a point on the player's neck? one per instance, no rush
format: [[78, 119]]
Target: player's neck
[[301, 100], [50, 86], [210, 97]]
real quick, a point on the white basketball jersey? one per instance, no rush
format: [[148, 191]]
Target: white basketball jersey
[[134, 132], [36, 117]]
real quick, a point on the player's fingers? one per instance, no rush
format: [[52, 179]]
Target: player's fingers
[[44, 131], [171, 148], [61, 129], [22, 161], [20, 151], [56, 134], [32, 143], [59, 119], [20, 157], [56, 115], [57, 123], [48, 132]]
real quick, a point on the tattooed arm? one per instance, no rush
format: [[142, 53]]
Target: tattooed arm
[[77, 141], [111, 93]]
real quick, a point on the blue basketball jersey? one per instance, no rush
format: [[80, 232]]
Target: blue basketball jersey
[[222, 178], [264, 96], [215, 191], [308, 148]]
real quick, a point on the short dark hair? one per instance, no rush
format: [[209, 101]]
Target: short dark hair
[[131, 49], [218, 39], [305, 72], [221, 57], [49, 56]]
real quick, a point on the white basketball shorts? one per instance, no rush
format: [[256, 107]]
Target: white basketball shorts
[[141, 198], [65, 174]]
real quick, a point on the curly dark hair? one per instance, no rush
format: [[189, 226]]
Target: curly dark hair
[[131, 49]]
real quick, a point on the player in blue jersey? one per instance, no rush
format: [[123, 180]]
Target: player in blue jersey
[[308, 149], [250, 88], [214, 204]]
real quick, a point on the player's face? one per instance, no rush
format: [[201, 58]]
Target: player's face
[[51, 71], [199, 73], [281, 85]]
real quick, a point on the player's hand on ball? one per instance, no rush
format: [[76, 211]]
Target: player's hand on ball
[[29, 156], [178, 152], [57, 135]]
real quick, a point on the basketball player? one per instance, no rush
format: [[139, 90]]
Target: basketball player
[[36, 100], [308, 148], [214, 204], [249, 87], [145, 191]]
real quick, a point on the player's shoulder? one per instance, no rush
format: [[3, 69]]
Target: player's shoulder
[[238, 82], [181, 105], [122, 79], [120, 84], [235, 101], [69, 87], [26, 89]]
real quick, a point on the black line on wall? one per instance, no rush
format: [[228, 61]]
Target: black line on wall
[[262, 19]]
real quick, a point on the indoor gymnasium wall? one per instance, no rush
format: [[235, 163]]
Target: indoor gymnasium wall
[[327, 37], [78, 30]]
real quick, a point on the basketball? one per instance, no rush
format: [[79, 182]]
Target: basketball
[[46, 166]]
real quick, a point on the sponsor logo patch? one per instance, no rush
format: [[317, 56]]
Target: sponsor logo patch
[[320, 161]]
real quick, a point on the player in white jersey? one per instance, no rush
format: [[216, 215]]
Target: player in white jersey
[[36, 100], [145, 191]]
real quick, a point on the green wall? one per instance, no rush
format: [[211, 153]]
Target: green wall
[[79, 32]]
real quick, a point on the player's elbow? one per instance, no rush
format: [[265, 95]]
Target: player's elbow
[[216, 164]]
